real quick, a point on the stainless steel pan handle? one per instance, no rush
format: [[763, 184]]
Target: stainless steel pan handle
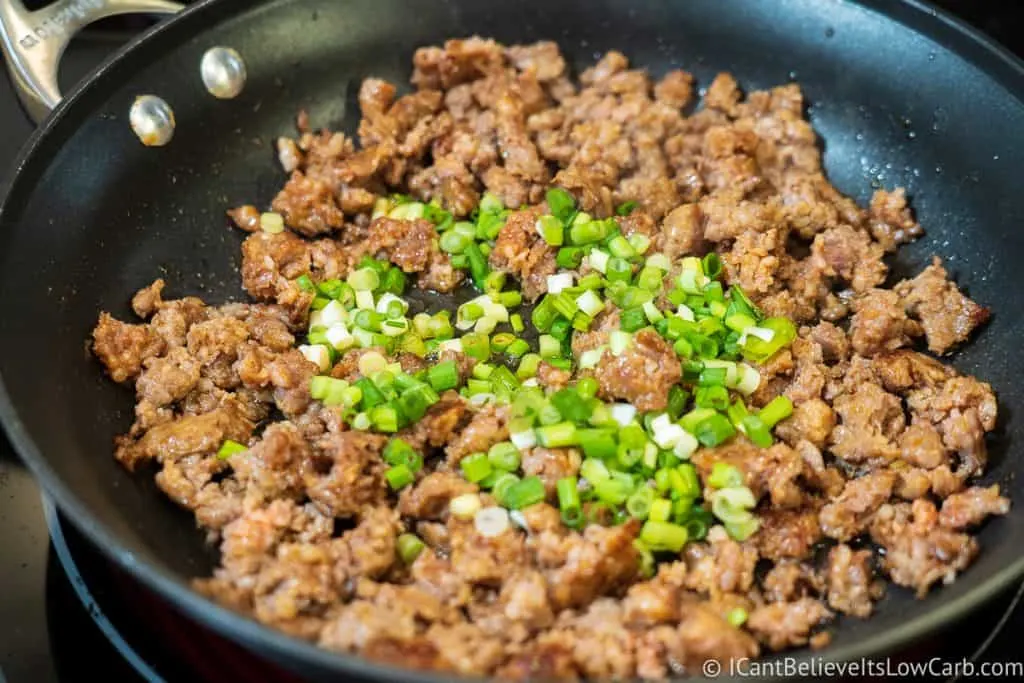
[[33, 42]]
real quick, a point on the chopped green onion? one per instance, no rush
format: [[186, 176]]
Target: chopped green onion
[[504, 456], [587, 232], [612, 491], [569, 257], [639, 504], [593, 470], [229, 448], [364, 280], [398, 452], [476, 346], [560, 203], [569, 501], [551, 230], [757, 431], [640, 242], [736, 617], [524, 493], [661, 510], [714, 397], [399, 477], [409, 547], [620, 247], [528, 366], [587, 387], [466, 506], [502, 484], [724, 475], [625, 208], [476, 467], [597, 443], [478, 268], [549, 346], [743, 528], [557, 435], [444, 375], [517, 348], [777, 410], [511, 299], [384, 418], [619, 270], [663, 536]]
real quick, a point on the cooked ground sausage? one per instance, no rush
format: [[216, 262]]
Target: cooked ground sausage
[[884, 442]]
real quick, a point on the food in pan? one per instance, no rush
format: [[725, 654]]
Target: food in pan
[[677, 411]]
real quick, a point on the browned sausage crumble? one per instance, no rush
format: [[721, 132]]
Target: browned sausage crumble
[[884, 443]]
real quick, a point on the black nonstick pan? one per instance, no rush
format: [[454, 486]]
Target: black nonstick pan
[[901, 94]]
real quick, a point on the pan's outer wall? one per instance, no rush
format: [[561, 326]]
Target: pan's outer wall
[[92, 215]]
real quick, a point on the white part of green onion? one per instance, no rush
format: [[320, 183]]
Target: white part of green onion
[[364, 338], [749, 379], [519, 519], [339, 337], [387, 299], [591, 358], [623, 413], [619, 341], [361, 422], [465, 507], [659, 261], [598, 260], [691, 276], [652, 312], [590, 303], [271, 223], [485, 325], [318, 354], [331, 314], [532, 382], [364, 300], [686, 445], [491, 521], [493, 309], [482, 398], [316, 319], [451, 345], [717, 534], [371, 363], [762, 333], [558, 282], [665, 432], [523, 440], [735, 497], [686, 313]]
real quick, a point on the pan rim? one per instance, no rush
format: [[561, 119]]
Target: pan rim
[[923, 18]]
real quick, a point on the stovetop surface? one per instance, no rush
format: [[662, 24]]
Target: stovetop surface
[[59, 630]]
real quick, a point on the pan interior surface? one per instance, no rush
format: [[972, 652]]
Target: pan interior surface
[[93, 215]]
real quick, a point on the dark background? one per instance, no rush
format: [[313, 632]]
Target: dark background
[[45, 634]]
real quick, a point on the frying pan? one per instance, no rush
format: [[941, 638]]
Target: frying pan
[[901, 94]]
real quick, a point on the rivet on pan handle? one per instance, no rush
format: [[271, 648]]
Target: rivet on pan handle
[[33, 42]]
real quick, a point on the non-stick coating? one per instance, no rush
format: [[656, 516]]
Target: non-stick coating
[[906, 99]]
